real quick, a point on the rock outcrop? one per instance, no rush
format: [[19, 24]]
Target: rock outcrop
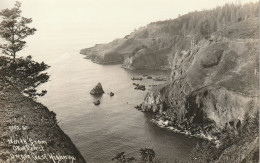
[[140, 87], [146, 58], [97, 90]]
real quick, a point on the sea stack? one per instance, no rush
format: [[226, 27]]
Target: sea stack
[[97, 90]]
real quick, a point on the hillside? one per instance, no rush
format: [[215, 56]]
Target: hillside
[[214, 90], [29, 131], [154, 46]]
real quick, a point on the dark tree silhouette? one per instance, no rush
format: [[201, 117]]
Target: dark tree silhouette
[[25, 75], [14, 29], [120, 157], [147, 155]]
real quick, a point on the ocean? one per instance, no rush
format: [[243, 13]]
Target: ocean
[[100, 132]]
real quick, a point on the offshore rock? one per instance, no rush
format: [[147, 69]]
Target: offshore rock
[[136, 78], [111, 94], [140, 87], [97, 90], [96, 102]]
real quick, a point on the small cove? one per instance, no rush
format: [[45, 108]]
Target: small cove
[[100, 132]]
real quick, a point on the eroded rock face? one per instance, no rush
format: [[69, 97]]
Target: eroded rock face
[[97, 90], [146, 58], [153, 102], [213, 85]]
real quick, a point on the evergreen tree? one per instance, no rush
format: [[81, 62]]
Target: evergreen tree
[[14, 29]]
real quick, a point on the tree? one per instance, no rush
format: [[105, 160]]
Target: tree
[[120, 157], [147, 155], [25, 75], [14, 29]]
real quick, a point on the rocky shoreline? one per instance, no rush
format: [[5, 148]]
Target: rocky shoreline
[[161, 68], [195, 131], [110, 61], [30, 132], [165, 124]]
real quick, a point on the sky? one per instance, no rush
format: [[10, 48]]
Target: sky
[[100, 21], [94, 13]]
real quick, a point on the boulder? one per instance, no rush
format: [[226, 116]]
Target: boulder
[[96, 102], [136, 78], [97, 90], [140, 87], [111, 94], [138, 107], [160, 79]]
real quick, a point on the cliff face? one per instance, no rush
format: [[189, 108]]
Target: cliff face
[[113, 52], [214, 84], [143, 55], [132, 53]]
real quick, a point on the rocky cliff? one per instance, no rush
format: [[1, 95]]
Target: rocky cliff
[[131, 52], [215, 84]]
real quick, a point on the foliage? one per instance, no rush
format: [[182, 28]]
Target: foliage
[[14, 29], [202, 153], [200, 24], [207, 152], [120, 157], [25, 75], [147, 155]]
